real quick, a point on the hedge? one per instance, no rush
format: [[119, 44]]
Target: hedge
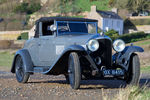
[[23, 36], [133, 37], [128, 38]]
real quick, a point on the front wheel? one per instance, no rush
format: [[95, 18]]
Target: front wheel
[[133, 74], [21, 75], [74, 70]]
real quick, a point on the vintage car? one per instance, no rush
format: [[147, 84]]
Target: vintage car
[[73, 47]]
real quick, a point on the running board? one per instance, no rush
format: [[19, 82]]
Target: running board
[[40, 69]]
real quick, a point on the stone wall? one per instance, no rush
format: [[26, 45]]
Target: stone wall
[[139, 17], [10, 35], [145, 28], [11, 44], [138, 28]]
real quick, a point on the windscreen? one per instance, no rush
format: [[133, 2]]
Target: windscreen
[[76, 28]]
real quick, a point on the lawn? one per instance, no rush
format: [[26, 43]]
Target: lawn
[[6, 59], [145, 69], [85, 5], [143, 43]]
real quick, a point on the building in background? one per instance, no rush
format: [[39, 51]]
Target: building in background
[[107, 20]]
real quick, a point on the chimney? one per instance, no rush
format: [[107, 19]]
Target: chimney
[[93, 8], [115, 10]]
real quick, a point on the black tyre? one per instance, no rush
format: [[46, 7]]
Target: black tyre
[[133, 73], [74, 70], [21, 75]]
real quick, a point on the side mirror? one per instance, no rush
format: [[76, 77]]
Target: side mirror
[[52, 28], [101, 32]]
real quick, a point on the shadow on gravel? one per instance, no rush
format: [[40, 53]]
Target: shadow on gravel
[[86, 84], [55, 81], [99, 84], [92, 84], [145, 82], [106, 84]]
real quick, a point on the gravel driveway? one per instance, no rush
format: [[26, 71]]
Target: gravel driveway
[[44, 87]]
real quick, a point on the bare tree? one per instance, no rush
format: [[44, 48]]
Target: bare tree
[[138, 5], [131, 5]]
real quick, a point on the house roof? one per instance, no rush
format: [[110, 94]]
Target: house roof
[[44, 19], [109, 14]]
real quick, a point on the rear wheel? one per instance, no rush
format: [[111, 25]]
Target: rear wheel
[[133, 73], [74, 70], [21, 75]]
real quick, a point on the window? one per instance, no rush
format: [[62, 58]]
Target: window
[[75, 28], [46, 28]]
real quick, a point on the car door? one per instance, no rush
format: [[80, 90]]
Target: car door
[[46, 46], [46, 50]]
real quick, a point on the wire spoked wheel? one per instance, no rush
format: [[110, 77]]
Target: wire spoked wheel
[[21, 75]]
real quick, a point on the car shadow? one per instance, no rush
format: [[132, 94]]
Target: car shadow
[[55, 81], [144, 82], [99, 84]]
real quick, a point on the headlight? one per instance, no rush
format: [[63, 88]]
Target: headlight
[[118, 45], [93, 45]]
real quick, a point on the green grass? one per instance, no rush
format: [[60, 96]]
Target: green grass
[[145, 69], [146, 95], [85, 5], [143, 43], [6, 60], [133, 93]]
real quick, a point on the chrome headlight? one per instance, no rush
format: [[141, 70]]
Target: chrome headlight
[[93, 45], [118, 45]]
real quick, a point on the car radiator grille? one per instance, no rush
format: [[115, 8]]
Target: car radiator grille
[[104, 52]]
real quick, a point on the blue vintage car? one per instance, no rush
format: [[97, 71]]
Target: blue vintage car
[[73, 47]]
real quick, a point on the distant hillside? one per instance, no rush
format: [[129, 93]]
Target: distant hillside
[[82, 5], [86, 4], [18, 21]]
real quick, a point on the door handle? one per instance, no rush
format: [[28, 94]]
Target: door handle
[[39, 44]]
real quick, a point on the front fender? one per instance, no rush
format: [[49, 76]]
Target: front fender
[[123, 58], [62, 60], [28, 65], [74, 48]]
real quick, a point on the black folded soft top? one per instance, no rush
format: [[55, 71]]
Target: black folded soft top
[[45, 19]]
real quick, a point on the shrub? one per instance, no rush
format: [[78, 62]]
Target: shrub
[[23, 8], [27, 8], [133, 37], [128, 38], [23, 36], [112, 34], [33, 7], [111, 2]]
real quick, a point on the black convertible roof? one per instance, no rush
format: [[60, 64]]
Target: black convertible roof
[[44, 19]]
